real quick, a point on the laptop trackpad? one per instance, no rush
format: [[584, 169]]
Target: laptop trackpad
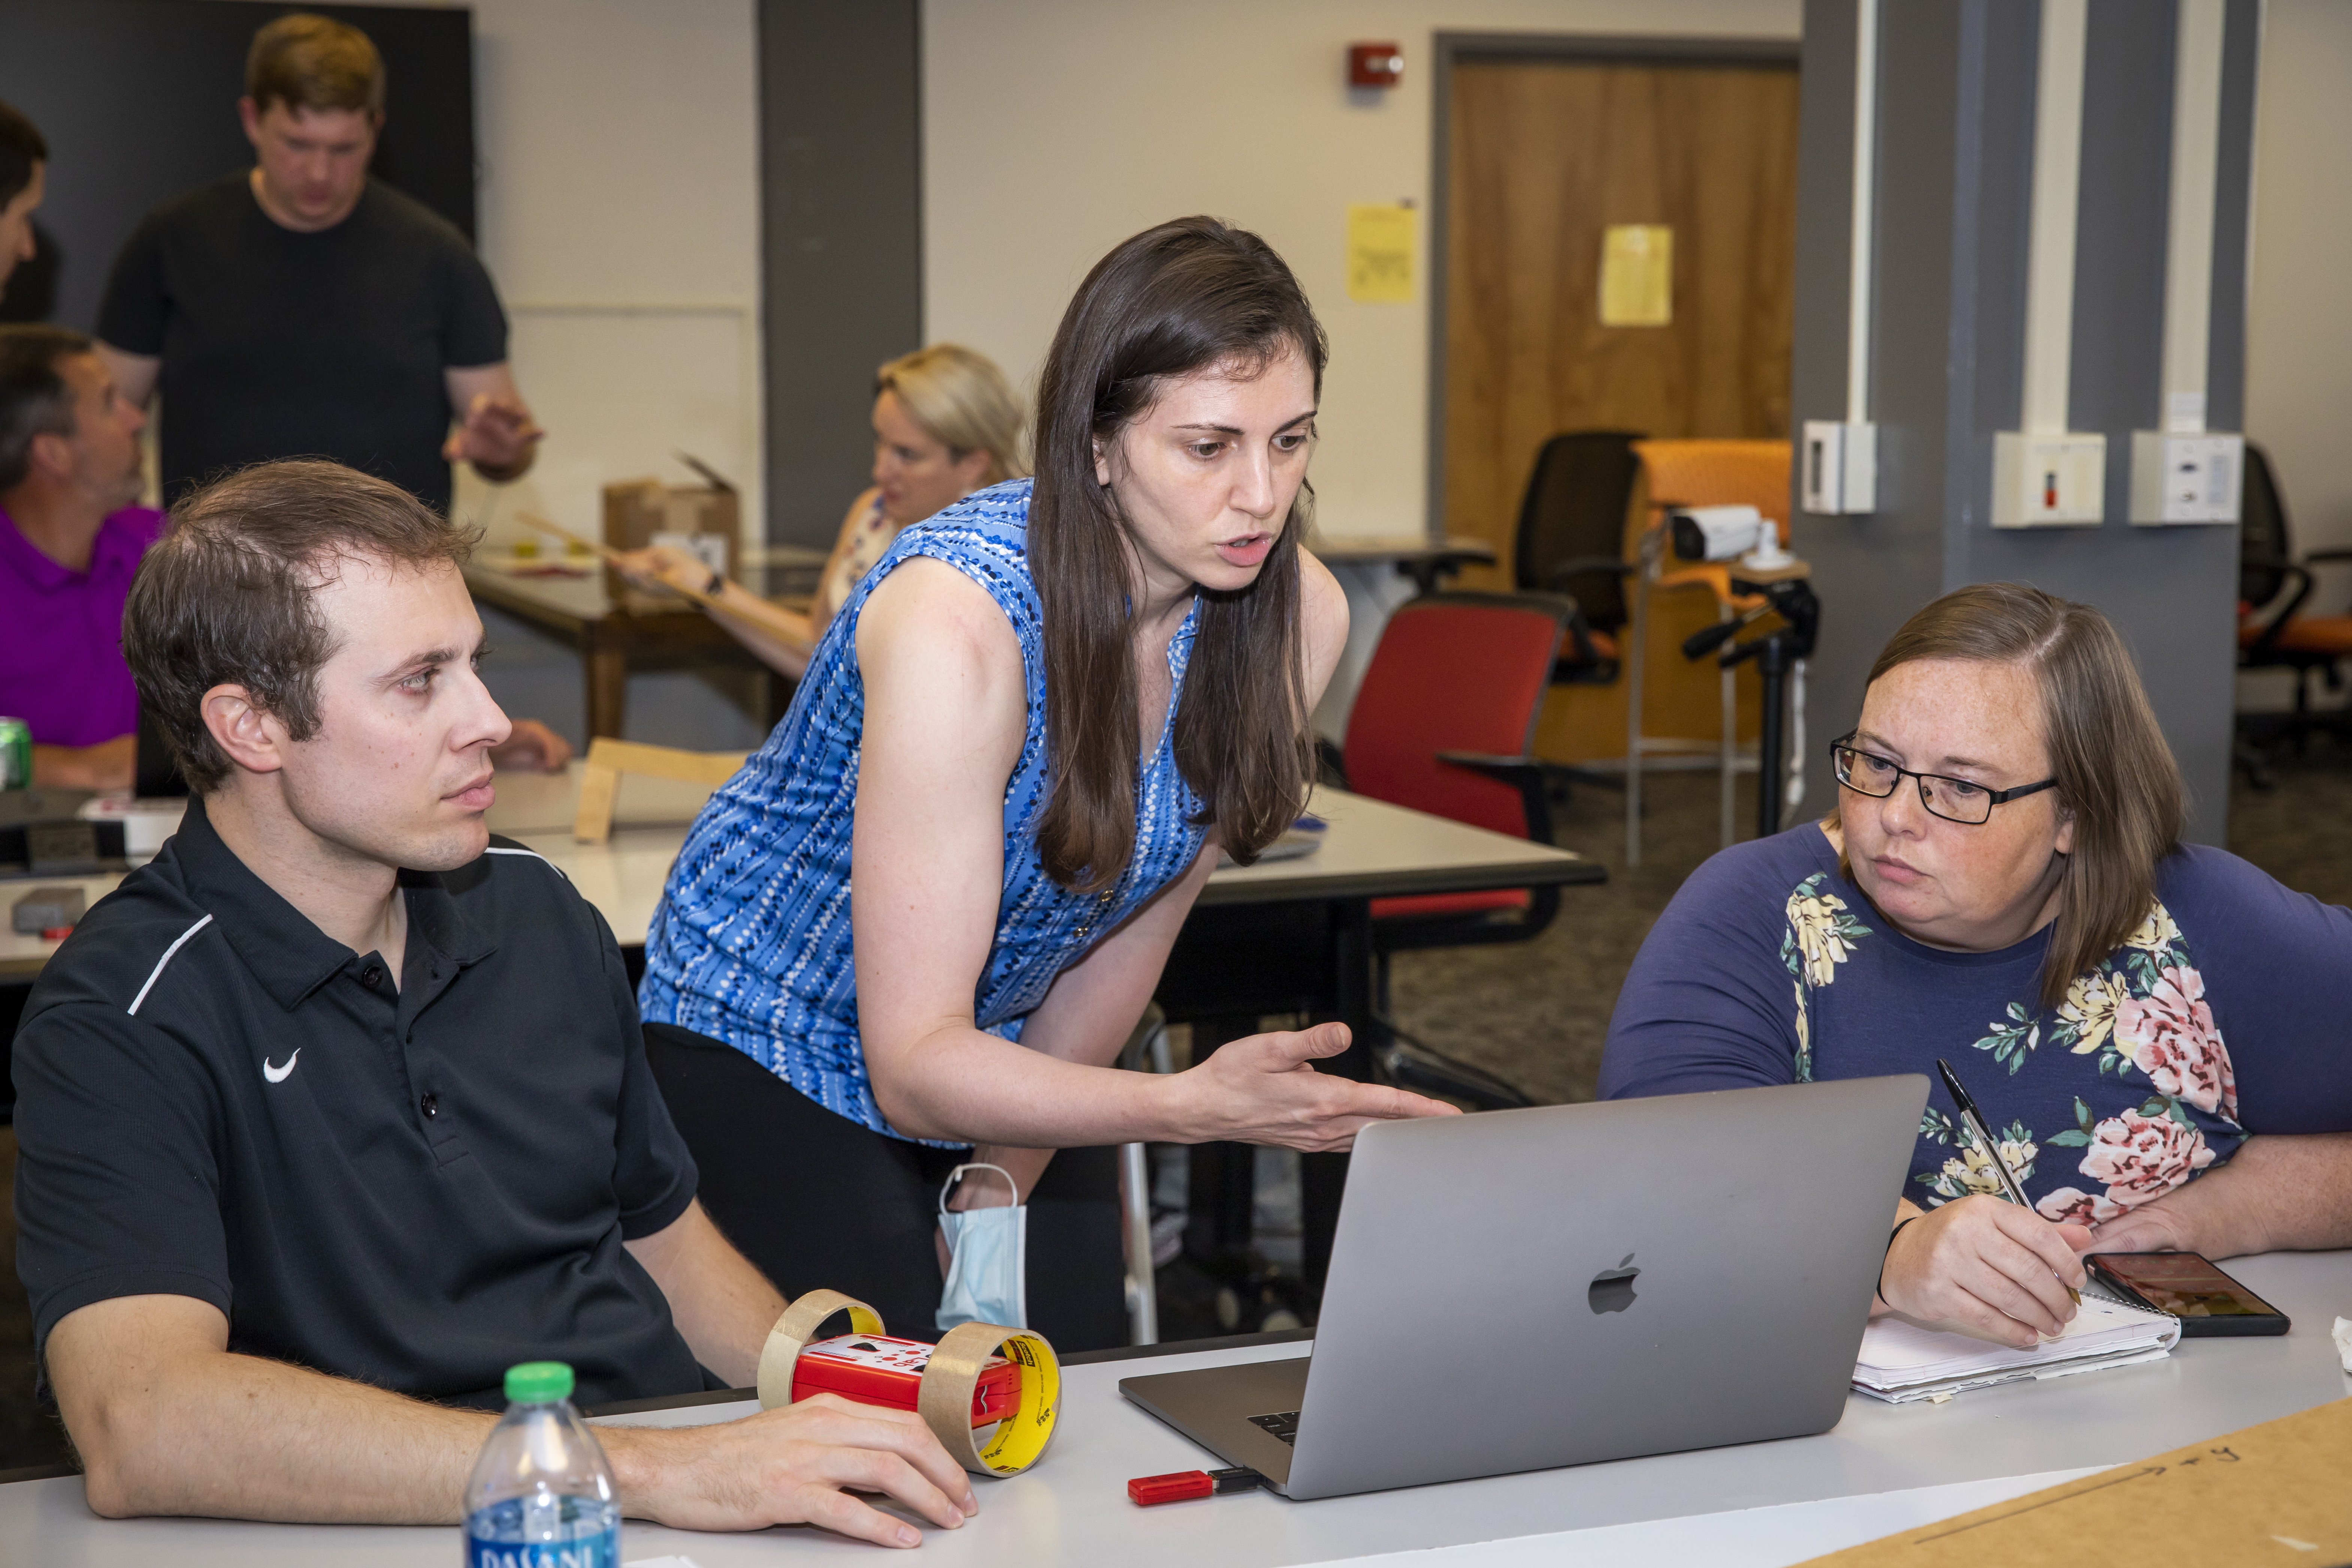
[[1244, 1414]]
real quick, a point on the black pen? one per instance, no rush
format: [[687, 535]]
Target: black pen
[[1977, 1124]]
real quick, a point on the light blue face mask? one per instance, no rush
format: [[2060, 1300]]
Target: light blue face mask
[[987, 1260]]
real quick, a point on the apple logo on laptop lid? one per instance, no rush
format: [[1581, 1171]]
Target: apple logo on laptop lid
[[1613, 1288]]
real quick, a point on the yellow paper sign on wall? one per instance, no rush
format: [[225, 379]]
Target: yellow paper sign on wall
[[1637, 275], [1380, 253]]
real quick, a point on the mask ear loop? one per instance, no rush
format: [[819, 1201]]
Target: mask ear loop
[[957, 1174]]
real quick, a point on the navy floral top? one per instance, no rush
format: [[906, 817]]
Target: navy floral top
[[2223, 1016]]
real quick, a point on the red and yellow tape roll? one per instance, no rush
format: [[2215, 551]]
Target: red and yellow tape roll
[[944, 1402]]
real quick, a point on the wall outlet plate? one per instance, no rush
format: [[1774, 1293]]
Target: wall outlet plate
[[2186, 478], [1840, 468], [2049, 481]]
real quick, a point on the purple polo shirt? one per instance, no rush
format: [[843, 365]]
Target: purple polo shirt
[[62, 666]]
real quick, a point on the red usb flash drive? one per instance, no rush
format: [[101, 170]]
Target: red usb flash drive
[[1147, 1491]]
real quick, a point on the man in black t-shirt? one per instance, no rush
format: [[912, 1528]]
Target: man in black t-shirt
[[300, 309], [338, 1108]]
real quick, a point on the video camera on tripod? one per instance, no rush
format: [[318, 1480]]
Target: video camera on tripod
[[1743, 534]]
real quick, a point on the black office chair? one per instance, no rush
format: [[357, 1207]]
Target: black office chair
[[1570, 540], [2274, 633]]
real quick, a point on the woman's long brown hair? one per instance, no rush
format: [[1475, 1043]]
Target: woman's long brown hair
[[1188, 296], [2115, 773]]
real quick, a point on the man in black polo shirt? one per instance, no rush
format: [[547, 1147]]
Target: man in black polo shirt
[[300, 309], [337, 1107]]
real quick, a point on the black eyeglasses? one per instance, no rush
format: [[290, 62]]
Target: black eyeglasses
[[1954, 800]]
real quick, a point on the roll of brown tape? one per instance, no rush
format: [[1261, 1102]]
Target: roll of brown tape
[[795, 1329], [945, 1403]]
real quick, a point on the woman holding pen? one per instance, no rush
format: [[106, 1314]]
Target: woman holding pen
[[2151, 1030], [1024, 742]]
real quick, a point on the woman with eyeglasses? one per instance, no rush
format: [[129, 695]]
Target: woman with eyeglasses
[[2003, 885]]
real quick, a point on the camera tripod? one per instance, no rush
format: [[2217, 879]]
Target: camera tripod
[[1793, 600]]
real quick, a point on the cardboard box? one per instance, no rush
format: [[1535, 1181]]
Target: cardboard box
[[704, 519]]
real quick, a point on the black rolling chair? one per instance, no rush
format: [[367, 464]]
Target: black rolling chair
[[2274, 584], [1570, 540]]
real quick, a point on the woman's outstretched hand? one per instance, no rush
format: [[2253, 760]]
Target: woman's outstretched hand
[[1264, 1089]]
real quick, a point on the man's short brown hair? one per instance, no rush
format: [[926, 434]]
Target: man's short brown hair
[[34, 398], [225, 598], [311, 62]]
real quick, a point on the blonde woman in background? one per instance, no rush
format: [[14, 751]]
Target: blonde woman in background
[[946, 423]]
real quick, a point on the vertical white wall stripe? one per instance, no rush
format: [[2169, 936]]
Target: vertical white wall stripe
[[1865, 197], [2057, 175], [2188, 242]]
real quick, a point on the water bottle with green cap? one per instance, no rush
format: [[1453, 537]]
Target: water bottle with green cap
[[541, 1494]]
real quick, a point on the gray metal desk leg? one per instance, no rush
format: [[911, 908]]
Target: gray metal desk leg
[[1142, 1278], [1146, 1051]]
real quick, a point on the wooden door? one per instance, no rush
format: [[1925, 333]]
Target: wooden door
[[1544, 155]]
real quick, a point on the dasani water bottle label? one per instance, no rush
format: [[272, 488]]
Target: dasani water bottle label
[[602, 1549]]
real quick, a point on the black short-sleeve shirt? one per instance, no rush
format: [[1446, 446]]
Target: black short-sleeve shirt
[[279, 344], [415, 1186]]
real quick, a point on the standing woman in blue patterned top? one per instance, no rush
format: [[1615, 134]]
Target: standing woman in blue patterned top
[[1024, 740]]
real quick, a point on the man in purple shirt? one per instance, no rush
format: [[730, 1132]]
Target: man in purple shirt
[[70, 537]]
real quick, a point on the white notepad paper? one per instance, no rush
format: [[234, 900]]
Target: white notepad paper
[[1900, 1361]]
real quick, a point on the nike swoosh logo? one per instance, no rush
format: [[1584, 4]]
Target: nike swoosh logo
[[276, 1074]]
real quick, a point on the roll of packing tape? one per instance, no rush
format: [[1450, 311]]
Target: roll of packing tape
[[1019, 1440], [951, 1379], [796, 1328]]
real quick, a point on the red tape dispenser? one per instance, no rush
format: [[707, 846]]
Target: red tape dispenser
[[979, 1376], [876, 1368]]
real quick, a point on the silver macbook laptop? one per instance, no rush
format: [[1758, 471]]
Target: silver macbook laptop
[[1525, 1289]]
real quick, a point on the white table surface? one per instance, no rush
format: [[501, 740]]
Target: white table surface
[[1370, 848], [1883, 1468]]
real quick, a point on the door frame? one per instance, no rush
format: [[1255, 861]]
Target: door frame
[[1447, 50]]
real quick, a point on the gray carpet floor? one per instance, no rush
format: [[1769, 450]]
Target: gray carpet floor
[[1536, 1012]]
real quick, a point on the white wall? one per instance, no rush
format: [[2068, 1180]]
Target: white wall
[[619, 207], [1054, 129], [620, 217]]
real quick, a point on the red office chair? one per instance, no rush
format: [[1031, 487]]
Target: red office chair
[[1442, 723]]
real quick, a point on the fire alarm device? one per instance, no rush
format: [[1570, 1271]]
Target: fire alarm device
[[1375, 65]]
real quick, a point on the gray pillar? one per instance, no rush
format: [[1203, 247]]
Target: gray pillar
[[1956, 94], [840, 241]]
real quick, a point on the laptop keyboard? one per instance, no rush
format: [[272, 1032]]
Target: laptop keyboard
[[1282, 1424]]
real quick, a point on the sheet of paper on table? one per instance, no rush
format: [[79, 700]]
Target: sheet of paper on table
[[1900, 1361]]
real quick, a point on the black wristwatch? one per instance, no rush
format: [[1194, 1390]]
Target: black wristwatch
[[718, 581]]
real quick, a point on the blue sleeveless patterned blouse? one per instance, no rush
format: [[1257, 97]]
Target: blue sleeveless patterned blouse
[[752, 943]]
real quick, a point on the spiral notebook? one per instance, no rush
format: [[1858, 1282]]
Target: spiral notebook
[[1901, 1360]]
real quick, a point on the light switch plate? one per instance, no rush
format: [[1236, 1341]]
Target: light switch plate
[[2186, 478], [2049, 481], [1840, 468]]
